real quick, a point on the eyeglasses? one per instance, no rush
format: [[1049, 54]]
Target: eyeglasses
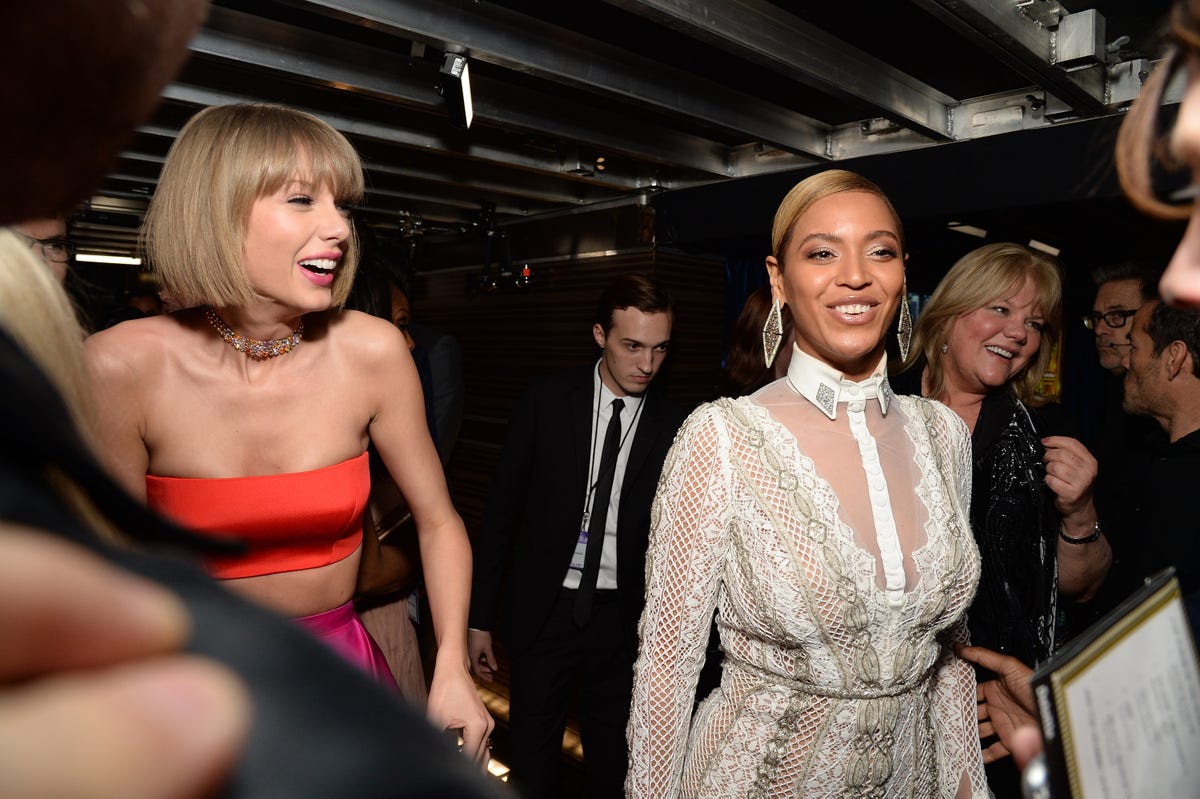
[[58, 251], [1114, 319]]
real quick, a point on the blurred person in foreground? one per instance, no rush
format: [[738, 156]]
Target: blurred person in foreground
[[1141, 144], [129, 665]]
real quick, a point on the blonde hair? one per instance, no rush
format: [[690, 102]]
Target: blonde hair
[[1139, 141], [808, 192], [226, 158], [978, 278], [37, 313]]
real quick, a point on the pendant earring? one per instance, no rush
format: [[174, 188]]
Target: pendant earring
[[904, 328], [772, 333]]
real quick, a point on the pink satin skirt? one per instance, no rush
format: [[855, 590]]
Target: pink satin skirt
[[342, 630]]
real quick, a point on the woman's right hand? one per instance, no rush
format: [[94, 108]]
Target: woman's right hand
[[454, 704], [1070, 473]]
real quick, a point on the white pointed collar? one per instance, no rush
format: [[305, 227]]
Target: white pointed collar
[[825, 387]]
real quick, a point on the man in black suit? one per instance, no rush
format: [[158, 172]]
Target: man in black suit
[[565, 533], [1163, 382]]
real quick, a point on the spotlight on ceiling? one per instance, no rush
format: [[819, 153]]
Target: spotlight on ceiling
[[455, 81], [970, 230], [1044, 247]]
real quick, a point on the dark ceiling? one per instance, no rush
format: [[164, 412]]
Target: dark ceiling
[[593, 103]]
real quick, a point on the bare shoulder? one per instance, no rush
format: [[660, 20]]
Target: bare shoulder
[[364, 338], [135, 343]]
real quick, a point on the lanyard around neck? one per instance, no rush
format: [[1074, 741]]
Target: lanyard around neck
[[593, 468]]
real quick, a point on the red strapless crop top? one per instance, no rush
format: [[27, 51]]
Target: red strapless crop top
[[288, 522]]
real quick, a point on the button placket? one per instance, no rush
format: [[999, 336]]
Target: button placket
[[881, 506]]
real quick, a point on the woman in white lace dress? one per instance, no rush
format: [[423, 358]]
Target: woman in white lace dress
[[824, 520]]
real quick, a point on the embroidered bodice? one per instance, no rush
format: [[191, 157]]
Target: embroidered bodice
[[826, 524]]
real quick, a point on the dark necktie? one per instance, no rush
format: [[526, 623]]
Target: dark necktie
[[599, 517]]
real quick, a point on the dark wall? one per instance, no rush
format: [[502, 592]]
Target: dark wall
[[1055, 184], [511, 336]]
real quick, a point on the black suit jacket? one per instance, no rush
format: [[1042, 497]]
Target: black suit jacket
[[535, 506]]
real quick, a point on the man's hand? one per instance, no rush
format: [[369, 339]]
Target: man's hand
[[1005, 704]]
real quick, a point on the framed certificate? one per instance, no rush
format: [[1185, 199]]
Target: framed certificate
[[1120, 704]]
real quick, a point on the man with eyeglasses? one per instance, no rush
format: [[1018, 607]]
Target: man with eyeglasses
[[1124, 445], [48, 240], [1120, 291]]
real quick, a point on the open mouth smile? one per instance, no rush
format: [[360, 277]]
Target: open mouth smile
[[1003, 353], [320, 266]]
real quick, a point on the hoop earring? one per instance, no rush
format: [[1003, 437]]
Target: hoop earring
[[905, 327], [772, 333]]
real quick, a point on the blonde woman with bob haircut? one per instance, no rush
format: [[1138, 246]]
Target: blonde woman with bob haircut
[[981, 346], [248, 414], [823, 520]]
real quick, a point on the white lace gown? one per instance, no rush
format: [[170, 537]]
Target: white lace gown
[[838, 556]]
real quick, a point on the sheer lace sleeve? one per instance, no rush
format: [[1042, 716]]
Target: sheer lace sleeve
[[961, 453], [954, 710], [954, 703], [682, 576]]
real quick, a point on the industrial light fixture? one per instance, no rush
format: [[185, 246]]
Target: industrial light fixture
[[96, 258], [455, 80], [1050, 249], [969, 230]]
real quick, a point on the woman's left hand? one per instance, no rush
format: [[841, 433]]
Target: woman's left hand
[[1070, 472], [454, 704]]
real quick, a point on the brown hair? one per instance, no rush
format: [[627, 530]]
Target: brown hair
[[633, 290], [1140, 142], [746, 369], [226, 158], [978, 278]]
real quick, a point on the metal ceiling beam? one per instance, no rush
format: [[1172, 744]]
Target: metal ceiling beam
[[1003, 29], [515, 41], [525, 191], [769, 36], [246, 40], [194, 95]]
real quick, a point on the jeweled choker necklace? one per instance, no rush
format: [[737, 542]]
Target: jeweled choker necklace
[[254, 348]]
